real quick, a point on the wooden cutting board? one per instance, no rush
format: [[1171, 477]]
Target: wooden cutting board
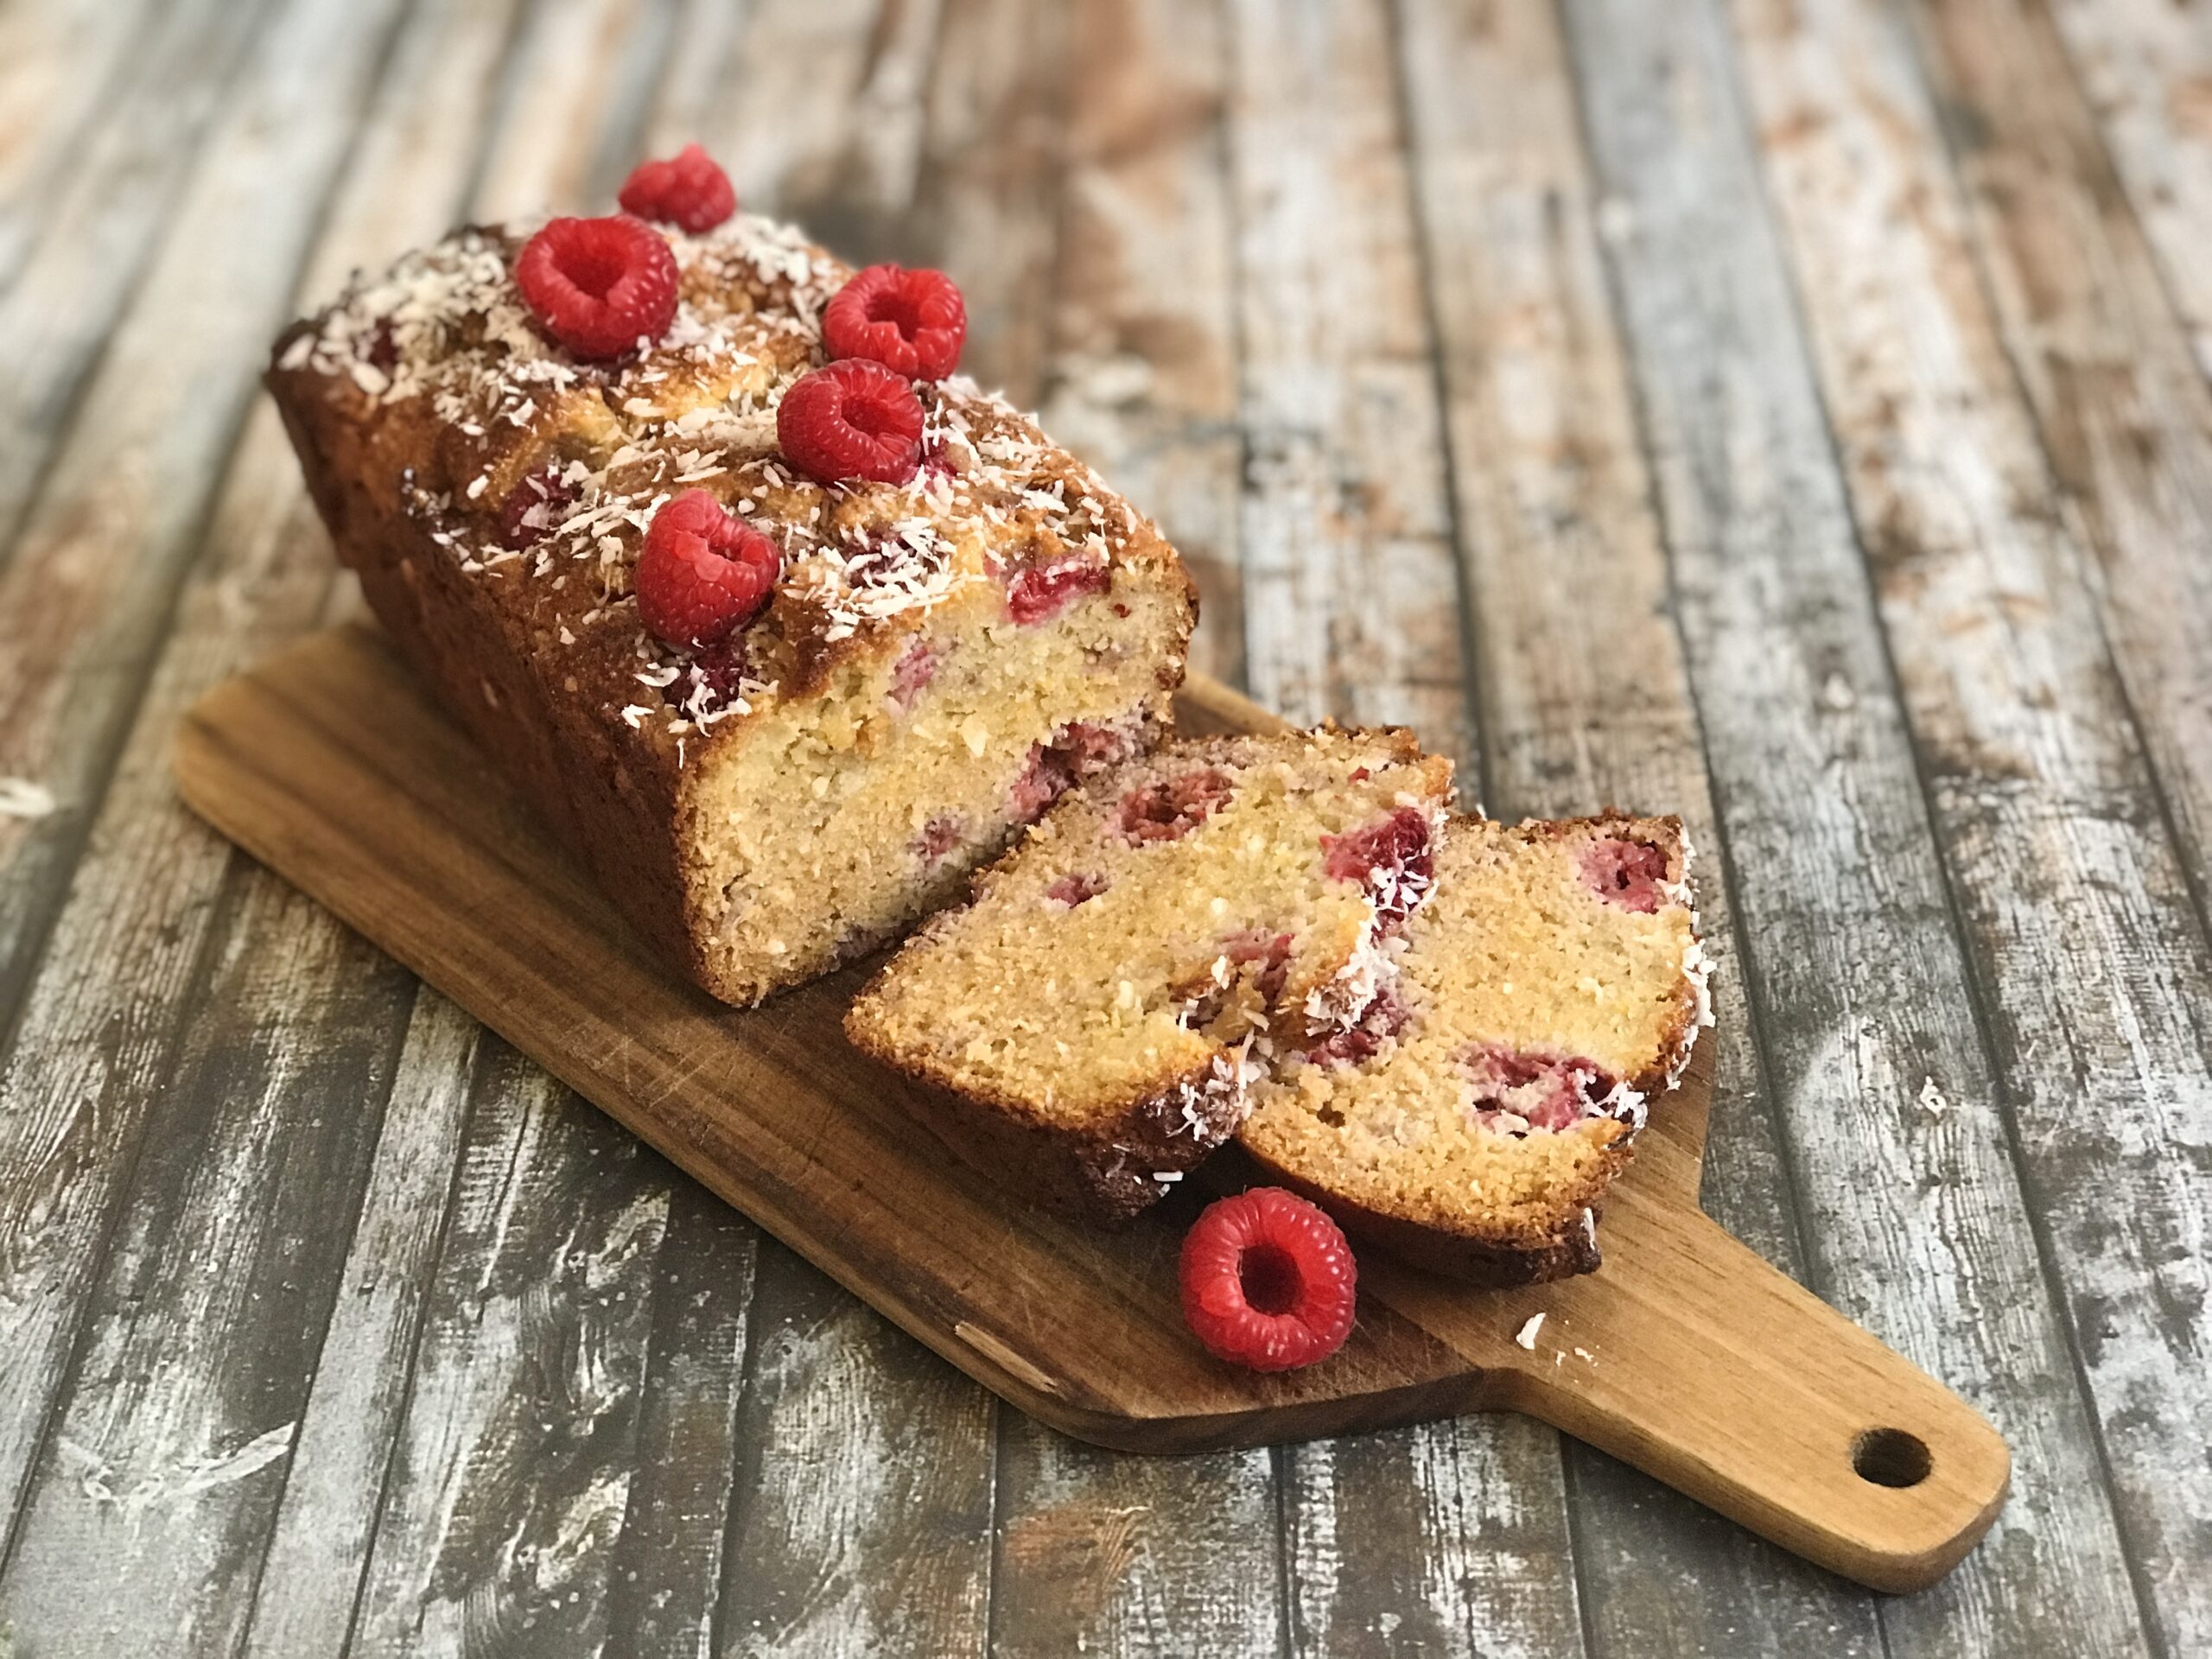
[[1686, 1354]]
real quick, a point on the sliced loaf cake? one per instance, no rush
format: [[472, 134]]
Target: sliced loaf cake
[[1090, 1024], [1470, 1122]]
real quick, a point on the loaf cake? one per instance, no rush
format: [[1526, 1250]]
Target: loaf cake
[[1089, 1025], [935, 647], [1551, 987]]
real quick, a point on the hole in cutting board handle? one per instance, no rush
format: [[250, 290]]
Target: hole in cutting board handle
[[1889, 1457]]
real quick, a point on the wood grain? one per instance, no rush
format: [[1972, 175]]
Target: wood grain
[[2075, 907], [328, 765], [91, 589], [1855, 972]]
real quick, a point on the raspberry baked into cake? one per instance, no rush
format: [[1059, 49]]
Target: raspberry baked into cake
[[1552, 986], [1091, 1023], [787, 626]]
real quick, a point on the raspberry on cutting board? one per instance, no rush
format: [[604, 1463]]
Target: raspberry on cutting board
[[1267, 1280]]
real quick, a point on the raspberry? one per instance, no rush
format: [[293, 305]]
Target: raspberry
[[688, 190], [1267, 1280], [1625, 873], [599, 285], [854, 419], [914, 322], [1045, 777], [1514, 1090], [535, 506], [1076, 889], [1390, 857], [915, 668], [1170, 811], [1043, 591], [938, 838], [702, 574], [1361, 1040]]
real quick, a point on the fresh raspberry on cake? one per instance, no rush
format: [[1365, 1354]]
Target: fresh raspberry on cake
[[702, 572], [687, 190], [1267, 1280], [600, 287], [852, 420], [1472, 1119], [1090, 1023], [914, 322]]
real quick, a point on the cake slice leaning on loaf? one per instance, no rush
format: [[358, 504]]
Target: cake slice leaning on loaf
[[1551, 987], [1090, 1024], [940, 657]]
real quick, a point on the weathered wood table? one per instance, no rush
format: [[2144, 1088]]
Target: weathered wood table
[[1792, 414]]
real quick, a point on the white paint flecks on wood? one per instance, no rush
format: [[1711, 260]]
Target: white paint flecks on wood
[[861, 1510], [1918, 1225], [2087, 315], [91, 583], [100, 224], [312, 1571], [144, 1526], [512, 1475], [1350, 586], [2076, 909], [1121, 1557]]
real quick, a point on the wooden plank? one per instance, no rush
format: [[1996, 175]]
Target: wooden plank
[[1560, 541], [666, 1575], [62, 297], [1352, 598], [821, 117], [162, 1467], [1915, 1218], [512, 1475], [310, 1575], [2086, 310], [1098, 1553], [2096, 975], [90, 590], [575, 82], [862, 1513], [1348, 579], [98, 561], [56, 64], [2145, 70]]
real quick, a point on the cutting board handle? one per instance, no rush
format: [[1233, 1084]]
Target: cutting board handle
[[1728, 1380]]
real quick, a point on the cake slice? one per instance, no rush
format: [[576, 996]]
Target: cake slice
[[1090, 1024], [940, 656], [1551, 986]]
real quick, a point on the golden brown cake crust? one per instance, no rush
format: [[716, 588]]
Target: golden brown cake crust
[[429, 415]]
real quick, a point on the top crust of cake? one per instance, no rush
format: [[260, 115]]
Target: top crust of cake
[[1553, 985], [430, 387]]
